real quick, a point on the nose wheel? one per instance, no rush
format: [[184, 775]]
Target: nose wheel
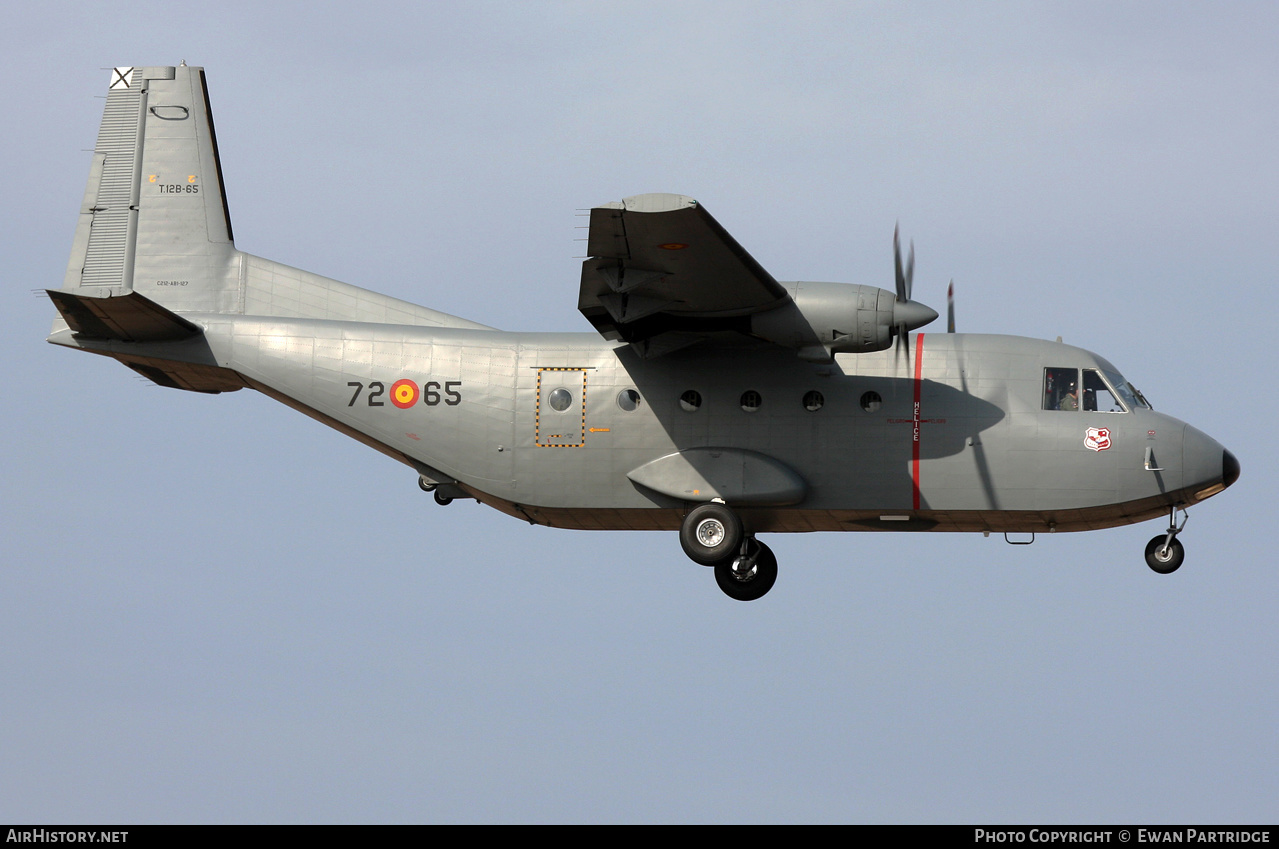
[[1165, 552]]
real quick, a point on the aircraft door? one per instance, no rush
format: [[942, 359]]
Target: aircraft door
[[560, 418]]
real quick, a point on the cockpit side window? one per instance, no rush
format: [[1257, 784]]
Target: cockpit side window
[[1098, 396], [1061, 389]]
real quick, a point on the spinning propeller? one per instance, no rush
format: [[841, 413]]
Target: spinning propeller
[[907, 314]]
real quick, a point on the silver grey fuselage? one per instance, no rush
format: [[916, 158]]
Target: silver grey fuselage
[[959, 441]]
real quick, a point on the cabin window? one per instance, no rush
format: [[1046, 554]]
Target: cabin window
[[690, 401], [560, 399], [751, 400], [628, 399], [871, 401], [1098, 396], [1061, 389], [813, 401]]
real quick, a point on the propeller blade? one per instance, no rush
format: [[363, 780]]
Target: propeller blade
[[950, 307], [910, 269], [902, 297], [906, 276]]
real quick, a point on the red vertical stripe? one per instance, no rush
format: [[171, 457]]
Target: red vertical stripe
[[914, 449]]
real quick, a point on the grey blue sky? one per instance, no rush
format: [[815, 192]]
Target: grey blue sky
[[213, 609]]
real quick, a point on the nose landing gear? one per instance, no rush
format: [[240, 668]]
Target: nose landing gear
[[712, 535], [1165, 552]]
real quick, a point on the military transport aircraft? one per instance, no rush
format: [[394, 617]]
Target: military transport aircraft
[[713, 400]]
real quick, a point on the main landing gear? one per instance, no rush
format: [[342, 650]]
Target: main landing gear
[[1164, 553], [712, 534]]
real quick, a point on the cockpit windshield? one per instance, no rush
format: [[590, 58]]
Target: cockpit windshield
[[1127, 391], [1098, 396]]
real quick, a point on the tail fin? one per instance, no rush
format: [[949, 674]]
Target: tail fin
[[154, 222], [154, 218]]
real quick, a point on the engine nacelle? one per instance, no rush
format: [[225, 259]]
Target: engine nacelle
[[825, 319]]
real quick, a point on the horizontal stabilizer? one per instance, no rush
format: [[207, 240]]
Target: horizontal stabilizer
[[127, 318]]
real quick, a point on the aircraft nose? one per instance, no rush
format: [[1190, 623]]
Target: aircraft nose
[[1229, 468], [1208, 465], [913, 314]]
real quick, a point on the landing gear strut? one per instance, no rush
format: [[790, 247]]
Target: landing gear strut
[[1164, 553], [712, 534]]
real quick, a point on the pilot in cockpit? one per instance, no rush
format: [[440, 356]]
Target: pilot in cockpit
[[1069, 401]]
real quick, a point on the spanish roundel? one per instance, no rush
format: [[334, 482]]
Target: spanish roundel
[[404, 393]]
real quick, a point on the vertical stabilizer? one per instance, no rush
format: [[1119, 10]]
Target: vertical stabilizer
[[154, 223], [154, 218]]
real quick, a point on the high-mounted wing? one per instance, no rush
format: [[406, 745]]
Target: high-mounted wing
[[660, 264], [663, 274]]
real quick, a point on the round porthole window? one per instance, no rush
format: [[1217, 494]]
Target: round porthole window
[[751, 400], [690, 401], [628, 400], [871, 401], [813, 401], [559, 399]]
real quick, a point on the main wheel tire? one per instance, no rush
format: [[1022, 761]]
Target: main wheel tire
[[442, 499], [711, 534], [748, 578], [1164, 560], [424, 485]]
